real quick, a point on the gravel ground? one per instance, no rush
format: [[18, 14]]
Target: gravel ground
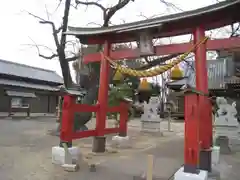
[[25, 154]]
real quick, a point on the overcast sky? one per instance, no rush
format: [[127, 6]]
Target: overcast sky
[[18, 28]]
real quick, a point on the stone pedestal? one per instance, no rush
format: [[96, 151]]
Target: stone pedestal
[[215, 155], [181, 175], [151, 126], [150, 120], [226, 126], [121, 142], [60, 157], [99, 144], [223, 143], [214, 174], [205, 160]]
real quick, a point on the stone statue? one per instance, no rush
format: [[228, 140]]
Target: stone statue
[[226, 113], [226, 125], [150, 119], [150, 110]]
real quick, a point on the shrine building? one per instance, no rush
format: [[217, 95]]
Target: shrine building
[[26, 88]]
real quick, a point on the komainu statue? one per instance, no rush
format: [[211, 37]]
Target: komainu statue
[[226, 125]]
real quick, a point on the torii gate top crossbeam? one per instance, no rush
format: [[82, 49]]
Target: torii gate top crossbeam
[[214, 16]]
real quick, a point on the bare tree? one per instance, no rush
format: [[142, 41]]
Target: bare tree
[[60, 43], [91, 80]]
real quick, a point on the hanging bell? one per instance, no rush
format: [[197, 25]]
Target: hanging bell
[[176, 73], [117, 76], [144, 85]]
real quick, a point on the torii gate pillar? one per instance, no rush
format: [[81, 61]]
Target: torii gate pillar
[[198, 123], [204, 105], [99, 141]]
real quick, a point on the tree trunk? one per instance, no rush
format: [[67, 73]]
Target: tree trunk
[[81, 118]]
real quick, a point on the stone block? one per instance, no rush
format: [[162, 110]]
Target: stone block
[[151, 126], [223, 143], [181, 175], [215, 155], [214, 174], [59, 156], [99, 144], [121, 142]]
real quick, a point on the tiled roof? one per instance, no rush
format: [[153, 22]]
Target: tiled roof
[[22, 84], [182, 22], [25, 71]]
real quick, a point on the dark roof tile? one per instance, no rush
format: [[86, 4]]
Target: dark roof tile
[[28, 85], [25, 71]]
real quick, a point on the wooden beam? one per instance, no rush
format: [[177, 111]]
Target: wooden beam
[[217, 44]]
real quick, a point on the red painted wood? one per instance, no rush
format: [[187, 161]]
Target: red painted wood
[[169, 29], [205, 125], [123, 118], [85, 108], [67, 118], [191, 141], [84, 134], [114, 109], [111, 130], [217, 44], [103, 92], [89, 133]]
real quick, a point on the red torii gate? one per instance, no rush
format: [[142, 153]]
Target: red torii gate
[[198, 119], [211, 45]]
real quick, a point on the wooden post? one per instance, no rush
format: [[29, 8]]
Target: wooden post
[[99, 141], [150, 167], [191, 141], [10, 107], [67, 120], [169, 120], [123, 119], [204, 105], [28, 111]]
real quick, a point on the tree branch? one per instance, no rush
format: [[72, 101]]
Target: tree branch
[[43, 21], [48, 57], [35, 16], [108, 14], [39, 45], [72, 58], [169, 4], [87, 3], [54, 32], [54, 55], [235, 30], [59, 29], [59, 42], [47, 12]]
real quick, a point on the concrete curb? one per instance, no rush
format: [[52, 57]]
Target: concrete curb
[[27, 118]]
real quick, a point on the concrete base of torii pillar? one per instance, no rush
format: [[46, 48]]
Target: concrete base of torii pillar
[[202, 175], [181, 175]]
